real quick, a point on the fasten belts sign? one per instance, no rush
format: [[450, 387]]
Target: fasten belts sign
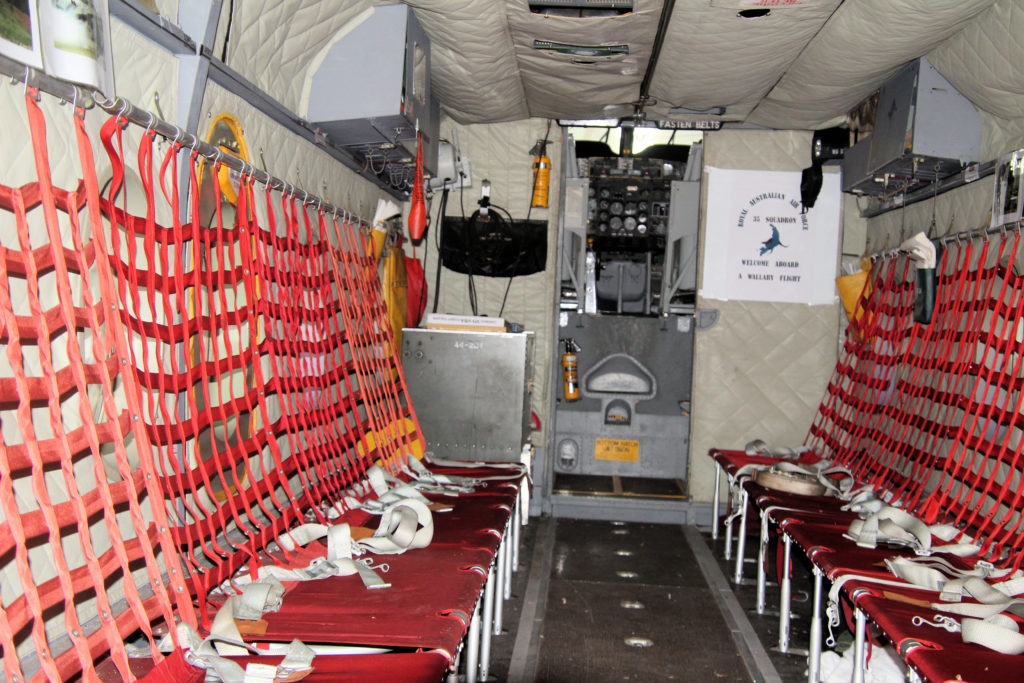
[[761, 246]]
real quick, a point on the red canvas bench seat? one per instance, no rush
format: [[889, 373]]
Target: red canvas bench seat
[[926, 423]]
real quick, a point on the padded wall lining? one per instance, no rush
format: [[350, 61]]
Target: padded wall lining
[[761, 370]]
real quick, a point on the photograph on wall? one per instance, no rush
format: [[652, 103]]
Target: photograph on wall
[[1006, 199], [19, 32], [760, 245], [76, 42]]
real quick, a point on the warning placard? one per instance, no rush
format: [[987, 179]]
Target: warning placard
[[621, 450]]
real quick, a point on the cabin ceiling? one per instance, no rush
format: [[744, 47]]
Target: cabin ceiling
[[804, 65]]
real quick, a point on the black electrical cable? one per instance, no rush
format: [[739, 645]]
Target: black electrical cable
[[227, 33], [443, 205], [421, 305], [529, 209]]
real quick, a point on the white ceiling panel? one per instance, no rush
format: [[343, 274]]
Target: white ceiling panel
[[864, 43], [573, 86], [983, 61], [713, 57]]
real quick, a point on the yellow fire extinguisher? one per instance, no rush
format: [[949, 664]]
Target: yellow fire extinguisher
[[570, 372], [541, 172], [541, 179]]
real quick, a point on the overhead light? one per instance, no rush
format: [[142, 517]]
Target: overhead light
[[581, 50], [581, 8], [589, 123], [685, 111]]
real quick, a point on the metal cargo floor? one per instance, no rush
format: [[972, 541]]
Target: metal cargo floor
[[612, 601]]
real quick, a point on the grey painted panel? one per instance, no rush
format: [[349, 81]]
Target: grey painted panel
[[470, 391]]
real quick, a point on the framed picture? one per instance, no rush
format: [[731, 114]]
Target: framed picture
[[19, 32], [1006, 197]]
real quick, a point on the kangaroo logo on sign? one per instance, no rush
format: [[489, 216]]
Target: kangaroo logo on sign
[[768, 246]]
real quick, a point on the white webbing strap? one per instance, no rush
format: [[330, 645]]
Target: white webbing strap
[[297, 659], [338, 561], [997, 633], [893, 525], [517, 468], [758, 447], [984, 622], [213, 653], [421, 474], [258, 598], [405, 525], [936, 574]]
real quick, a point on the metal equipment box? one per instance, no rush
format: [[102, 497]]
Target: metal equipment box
[[377, 116], [924, 131], [471, 391]]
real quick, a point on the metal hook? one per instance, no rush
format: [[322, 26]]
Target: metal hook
[[150, 122]]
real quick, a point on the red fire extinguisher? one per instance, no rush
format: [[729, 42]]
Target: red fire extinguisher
[[570, 372]]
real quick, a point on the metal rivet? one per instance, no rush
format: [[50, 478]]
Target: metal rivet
[[637, 641], [76, 634], [632, 604], [624, 553], [124, 362], [135, 418], [627, 575], [178, 588], [106, 615]]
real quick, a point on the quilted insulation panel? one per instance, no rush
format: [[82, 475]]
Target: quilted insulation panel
[[499, 153], [761, 370], [862, 45], [737, 78], [983, 60]]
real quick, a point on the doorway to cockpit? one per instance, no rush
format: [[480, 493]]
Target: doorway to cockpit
[[626, 305]]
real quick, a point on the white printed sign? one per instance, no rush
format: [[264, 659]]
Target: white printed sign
[[760, 246]]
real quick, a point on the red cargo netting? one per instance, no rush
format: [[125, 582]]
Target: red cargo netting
[[269, 381], [88, 555], [181, 387]]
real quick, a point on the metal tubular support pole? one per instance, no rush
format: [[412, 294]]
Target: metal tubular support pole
[[784, 596], [506, 586], [858, 646], [912, 676], [516, 532], [500, 581], [473, 646], [485, 644], [453, 672], [741, 539], [728, 524], [715, 502], [814, 650], [762, 575]]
